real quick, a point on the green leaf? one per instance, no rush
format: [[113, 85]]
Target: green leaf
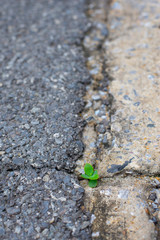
[[95, 176], [92, 183], [88, 169], [85, 176]]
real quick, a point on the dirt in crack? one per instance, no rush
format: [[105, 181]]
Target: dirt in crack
[[96, 134], [98, 108]]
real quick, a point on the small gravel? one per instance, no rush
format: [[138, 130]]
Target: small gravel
[[42, 204]]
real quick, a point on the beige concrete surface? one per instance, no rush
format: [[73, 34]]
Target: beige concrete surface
[[125, 205], [133, 57]]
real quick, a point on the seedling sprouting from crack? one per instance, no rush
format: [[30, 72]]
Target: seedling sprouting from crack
[[91, 175]]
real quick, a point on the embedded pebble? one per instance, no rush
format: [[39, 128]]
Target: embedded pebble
[[101, 128], [88, 105], [13, 211], [18, 229], [96, 97], [152, 196]]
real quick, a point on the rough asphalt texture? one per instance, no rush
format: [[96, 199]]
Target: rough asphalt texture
[[42, 82]]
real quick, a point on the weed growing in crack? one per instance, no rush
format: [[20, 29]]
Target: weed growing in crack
[[91, 175]]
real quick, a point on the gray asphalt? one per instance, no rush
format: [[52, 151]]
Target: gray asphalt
[[42, 82]]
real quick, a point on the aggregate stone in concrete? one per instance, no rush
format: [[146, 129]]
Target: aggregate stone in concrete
[[42, 82]]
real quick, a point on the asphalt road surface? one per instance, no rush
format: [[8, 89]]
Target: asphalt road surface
[[42, 82]]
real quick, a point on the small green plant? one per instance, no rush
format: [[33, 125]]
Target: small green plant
[[91, 175]]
